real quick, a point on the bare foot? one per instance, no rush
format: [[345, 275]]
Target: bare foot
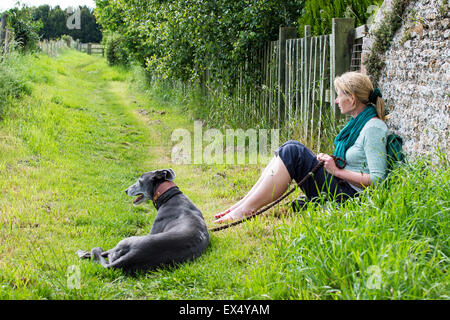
[[235, 215], [219, 215]]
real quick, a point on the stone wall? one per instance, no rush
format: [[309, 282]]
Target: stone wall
[[416, 78]]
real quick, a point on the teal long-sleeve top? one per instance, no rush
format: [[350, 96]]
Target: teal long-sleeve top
[[368, 154]]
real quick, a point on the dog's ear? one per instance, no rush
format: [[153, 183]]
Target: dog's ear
[[170, 174], [165, 174]]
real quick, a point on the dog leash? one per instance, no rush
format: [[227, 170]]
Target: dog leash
[[310, 174]]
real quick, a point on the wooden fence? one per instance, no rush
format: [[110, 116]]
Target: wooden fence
[[90, 48], [52, 47], [49, 47], [6, 36], [296, 90]]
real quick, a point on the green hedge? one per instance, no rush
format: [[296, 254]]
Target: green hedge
[[115, 49]]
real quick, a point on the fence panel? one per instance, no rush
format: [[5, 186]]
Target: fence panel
[[52, 47], [90, 48], [306, 84], [296, 88]]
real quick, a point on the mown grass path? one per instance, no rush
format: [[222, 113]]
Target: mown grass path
[[69, 150]]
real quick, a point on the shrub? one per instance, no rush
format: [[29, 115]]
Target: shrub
[[67, 39], [12, 83], [25, 29], [114, 45], [179, 40]]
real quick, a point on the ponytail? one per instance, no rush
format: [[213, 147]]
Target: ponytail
[[376, 98]]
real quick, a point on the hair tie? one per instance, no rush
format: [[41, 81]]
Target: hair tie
[[374, 94]]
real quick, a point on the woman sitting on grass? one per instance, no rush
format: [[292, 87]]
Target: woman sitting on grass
[[362, 143]]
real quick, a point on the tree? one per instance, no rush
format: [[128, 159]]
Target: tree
[[42, 13], [180, 39], [54, 24], [90, 30], [57, 23]]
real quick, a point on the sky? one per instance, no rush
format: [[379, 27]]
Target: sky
[[8, 4]]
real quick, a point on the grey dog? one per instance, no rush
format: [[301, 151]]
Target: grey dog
[[178, 234]]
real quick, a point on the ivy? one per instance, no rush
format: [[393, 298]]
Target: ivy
[[383, 36], [319, 13]]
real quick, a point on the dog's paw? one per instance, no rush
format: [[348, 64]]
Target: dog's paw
[[96, 252]]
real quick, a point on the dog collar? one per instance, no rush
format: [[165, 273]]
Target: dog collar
[[163, 187], [166, 197]]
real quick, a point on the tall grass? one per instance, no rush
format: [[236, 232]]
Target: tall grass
[[13, 80], [390, 243]]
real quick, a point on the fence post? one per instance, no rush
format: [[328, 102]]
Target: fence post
[[285, 33], [7, 41], [89, 48], [341, 43], [3, 29]]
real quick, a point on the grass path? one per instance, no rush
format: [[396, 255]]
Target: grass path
[[68, 150]]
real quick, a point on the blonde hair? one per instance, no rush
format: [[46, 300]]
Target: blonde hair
[[360, 87]]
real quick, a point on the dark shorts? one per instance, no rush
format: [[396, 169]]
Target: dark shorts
[[299, 161]]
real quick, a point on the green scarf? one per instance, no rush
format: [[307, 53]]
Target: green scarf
[[347, 137]]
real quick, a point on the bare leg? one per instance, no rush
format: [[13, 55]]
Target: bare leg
[[270, 188], [267, 170]]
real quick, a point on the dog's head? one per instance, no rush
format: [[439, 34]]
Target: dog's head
[[146, 185]]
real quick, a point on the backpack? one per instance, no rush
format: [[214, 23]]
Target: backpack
[[394, 152]]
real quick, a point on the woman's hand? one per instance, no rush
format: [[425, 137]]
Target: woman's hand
[[356, 178], [329, 164]]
